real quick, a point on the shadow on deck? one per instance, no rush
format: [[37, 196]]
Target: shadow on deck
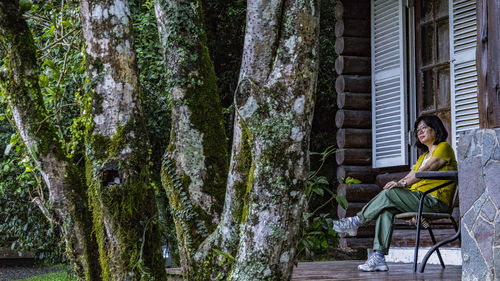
[[348, 270]]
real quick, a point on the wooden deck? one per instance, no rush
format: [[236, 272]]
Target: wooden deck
[[348, 270]]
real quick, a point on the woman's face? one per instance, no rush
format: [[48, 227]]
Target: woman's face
[[426, 135]]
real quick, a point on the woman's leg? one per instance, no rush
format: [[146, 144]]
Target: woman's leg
[[383, 230], [400, 199]]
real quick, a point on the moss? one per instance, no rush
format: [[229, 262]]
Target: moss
[[23, 94]]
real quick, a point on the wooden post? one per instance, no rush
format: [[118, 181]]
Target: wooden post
[[488, 62]]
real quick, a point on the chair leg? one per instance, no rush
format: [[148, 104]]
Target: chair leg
[[437, 249], [429, 253], [417, 241], [454, 224]]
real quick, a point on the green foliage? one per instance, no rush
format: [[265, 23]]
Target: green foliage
[[317, 228], [22, 224], [226, 258]]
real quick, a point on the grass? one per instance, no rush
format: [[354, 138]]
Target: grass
[[55, 276]]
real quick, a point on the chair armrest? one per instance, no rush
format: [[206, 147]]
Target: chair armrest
[[438, 175]]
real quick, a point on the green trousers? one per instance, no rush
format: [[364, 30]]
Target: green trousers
[[389, 203]]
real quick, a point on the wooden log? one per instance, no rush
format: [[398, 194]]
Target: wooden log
[[353, 65], [353, 83], [358, 101], [358, 119], [363, 173], [352, 9], [353, 28], [352, 209], [353, 46], [384, 178], [352, 138], [406, 237], [402, 238], [354, 156], [356, 243], [358, 192]]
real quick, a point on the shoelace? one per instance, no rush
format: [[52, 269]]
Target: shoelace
[[373, 260]]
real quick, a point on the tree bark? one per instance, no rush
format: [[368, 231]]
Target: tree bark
[[65, 182], [117, 165], [258, 227], [275, 103], [195, 163]]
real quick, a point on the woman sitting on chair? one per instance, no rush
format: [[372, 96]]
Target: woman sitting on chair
[[404, 195]]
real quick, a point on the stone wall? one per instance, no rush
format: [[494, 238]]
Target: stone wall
[[478, 155]]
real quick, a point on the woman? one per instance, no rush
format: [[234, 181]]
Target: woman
[[404, 195]]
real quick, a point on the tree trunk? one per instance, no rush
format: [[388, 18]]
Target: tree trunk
[[65, 182], [275, 103], [195, 163], [117, 165]]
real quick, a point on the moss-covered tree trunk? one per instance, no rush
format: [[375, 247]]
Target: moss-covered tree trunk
[[65, 182], [195, 163], [258, 228], [116, 148], [275, 101]]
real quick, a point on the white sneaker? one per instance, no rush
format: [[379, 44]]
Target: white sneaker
[[345, 226], [374, 263]]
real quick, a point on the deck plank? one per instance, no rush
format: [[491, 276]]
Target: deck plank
[[347, 270]]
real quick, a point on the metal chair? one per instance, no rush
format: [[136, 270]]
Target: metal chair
[[424, 219]]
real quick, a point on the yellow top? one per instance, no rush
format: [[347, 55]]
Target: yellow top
[[445, 194]]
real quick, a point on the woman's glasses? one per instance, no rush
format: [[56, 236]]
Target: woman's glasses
[[421, 129]]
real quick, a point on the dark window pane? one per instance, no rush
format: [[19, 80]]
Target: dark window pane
[[443, 41], [442, 8], [427, 10], [444, 88], [427, 44], [428, 90]]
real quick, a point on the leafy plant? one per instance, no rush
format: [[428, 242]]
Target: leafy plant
[[317, 231]]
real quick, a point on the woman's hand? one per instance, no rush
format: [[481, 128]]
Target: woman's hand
[[391, 185]]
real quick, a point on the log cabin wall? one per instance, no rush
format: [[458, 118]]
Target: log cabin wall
[[353, 118], [353, 121]]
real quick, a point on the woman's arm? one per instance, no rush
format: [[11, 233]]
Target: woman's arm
[[433, 164]]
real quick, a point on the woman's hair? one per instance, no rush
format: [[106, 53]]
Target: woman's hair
[[433, 122]]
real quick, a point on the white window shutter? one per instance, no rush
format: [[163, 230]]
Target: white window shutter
[[463, 73], [389, 109]]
